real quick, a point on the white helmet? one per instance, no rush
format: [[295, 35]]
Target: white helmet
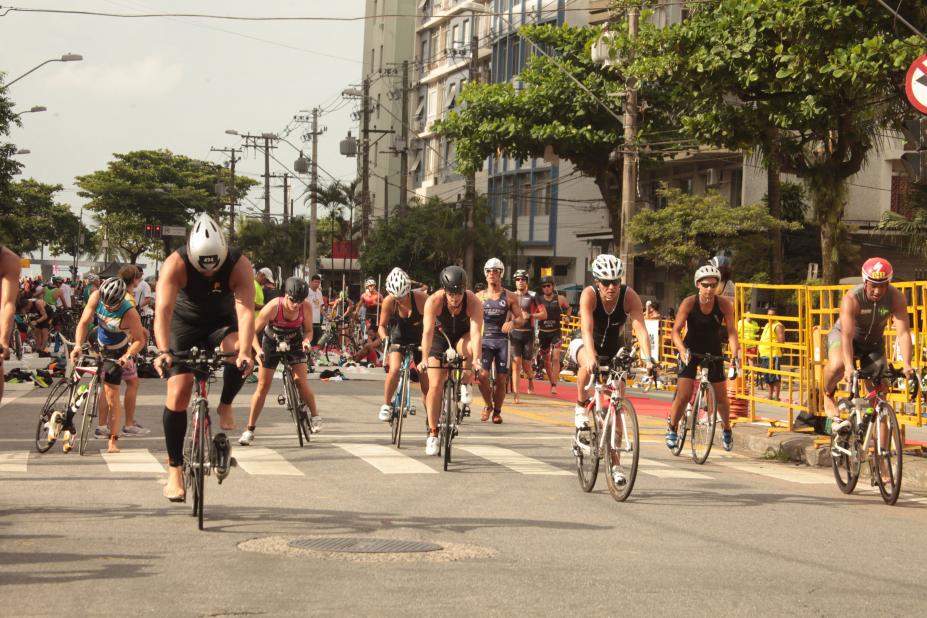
[[398, 283], [706, 271], [494, 264], [607, 267], [206, 246], [113, 291]]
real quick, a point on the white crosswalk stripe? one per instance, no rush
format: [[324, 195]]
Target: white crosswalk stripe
[[386, 459], [132, 460], [261, 461], [782, 473], [14, 462], [513, 460], [663, 470]]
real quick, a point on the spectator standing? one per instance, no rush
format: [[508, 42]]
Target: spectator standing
[[770, 353]]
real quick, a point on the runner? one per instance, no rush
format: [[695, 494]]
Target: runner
[[522, 337], [205, 295], [9, 291], [549, 333]]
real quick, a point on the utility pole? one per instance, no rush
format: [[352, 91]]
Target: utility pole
[[314, 195], [629, 176], [286, 198], [404, 153], [470, 183], [365, 162], [266, 179], [232, 161]]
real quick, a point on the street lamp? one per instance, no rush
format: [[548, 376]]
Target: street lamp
[[22, 151], [63, 58], [32, 110]]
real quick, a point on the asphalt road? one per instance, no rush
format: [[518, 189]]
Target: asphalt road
[[736, 536]]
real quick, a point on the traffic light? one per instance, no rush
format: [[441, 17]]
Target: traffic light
[[149, 230], [914, 159], [157, 231]]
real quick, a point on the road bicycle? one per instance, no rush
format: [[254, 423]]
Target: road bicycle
[[402, 406], [77, 392], [338, 341], [203, 453], [612, 432], [701, 417], [651, 380], [299, 410], [872, 436], [452, 410]]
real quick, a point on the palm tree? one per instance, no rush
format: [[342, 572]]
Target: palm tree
[[913, 225]]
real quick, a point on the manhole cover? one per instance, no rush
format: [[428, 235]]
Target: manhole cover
[[364, 546]]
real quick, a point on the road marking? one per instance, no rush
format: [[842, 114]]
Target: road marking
[[776, 471], [14, 462], [386, 459], [665, 471], [260, 461], [514, 461], [132, 460]]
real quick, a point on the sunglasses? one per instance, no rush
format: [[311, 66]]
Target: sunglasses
[[548, 285], [493, 270], [708, 286], [520, 279], [607, 283]]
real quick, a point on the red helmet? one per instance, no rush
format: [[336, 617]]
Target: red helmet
[[877, 270]]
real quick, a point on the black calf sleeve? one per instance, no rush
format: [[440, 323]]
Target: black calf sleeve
[[232, 381], [175, 428]]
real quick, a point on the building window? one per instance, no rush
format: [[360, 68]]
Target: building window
[[465, 32], [423, 55], [455, 41], [524, 208], [685, 185], [516, 57], [378, 106], [901, 187], [431, 109], [542, 197], [373, 58], [381, 59], [737, 187], [451, 95]]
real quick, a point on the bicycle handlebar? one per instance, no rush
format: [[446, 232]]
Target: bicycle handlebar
[[890, 373]]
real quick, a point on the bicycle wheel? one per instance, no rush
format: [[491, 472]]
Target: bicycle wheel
[[585, 450], [704, 421], [89, 413], [56, 401], [682, 429], [622, 450], [292, 402], [888, 453], [398, 411], [200, 447], [846, 467], [444, 424]]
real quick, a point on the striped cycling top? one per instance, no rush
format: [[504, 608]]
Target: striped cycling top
[[110, 333]]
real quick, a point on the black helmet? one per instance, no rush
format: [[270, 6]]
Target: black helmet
[[454, 279], [296, 289], [546, 279], [722, 263]]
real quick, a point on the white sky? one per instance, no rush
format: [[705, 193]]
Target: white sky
[[178, 83]]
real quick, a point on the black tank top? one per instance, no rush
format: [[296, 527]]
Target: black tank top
[[204, 299], [606, 327], [454, 326], [406, 330], [702, 330], [553, 313]]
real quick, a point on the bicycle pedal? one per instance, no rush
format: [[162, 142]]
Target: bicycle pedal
[[233, 463], [281, 400], [466, 410]]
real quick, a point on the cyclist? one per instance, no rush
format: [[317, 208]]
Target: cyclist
[[702, 315], [522, 337], [457, 312], [401, 322], [120, 336], [603, 310], [549, 335], [498, 304], [205, 298], [93, 284], [10, 268], [369, 305], [284, 318], [859, 332], [41, 321]]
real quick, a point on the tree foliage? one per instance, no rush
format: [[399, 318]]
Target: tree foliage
[[9, 166], [911, 226], [690, 229], [431, 236], [274, 245], [30, 218], [809, 82]]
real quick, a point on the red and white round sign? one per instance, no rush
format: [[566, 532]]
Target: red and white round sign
[[915, 84]]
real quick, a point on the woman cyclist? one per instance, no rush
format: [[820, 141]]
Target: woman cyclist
[[284, 318]]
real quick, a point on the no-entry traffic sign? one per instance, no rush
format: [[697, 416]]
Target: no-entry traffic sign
[[915, 84]]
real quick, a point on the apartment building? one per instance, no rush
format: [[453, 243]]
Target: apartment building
[[389, 33]]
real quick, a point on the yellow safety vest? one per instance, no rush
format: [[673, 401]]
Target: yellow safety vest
[[768, 341]]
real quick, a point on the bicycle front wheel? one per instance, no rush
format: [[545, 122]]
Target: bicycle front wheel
[[293, 403], [622, 450], [682, 430], [200, 448], [888, 453], [704, 421], [846, 466], [399, 412], [88, 413], [56, 401], [585, 451]]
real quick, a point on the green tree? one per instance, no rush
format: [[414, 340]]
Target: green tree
[[551, 113], [9, 166], [157, 187], [808, 82], [273, 244], [32, 219], [911, 226], [429, 237], [690, 229]]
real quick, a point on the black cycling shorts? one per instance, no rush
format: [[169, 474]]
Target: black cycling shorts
[[185, 335], [549, 339], [272, 357], [110, 370], [495, 351], [715, 371], [522, 344], [439, 344], [316, 333]]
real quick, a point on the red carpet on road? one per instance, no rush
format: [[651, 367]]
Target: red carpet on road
[[566, 391]]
